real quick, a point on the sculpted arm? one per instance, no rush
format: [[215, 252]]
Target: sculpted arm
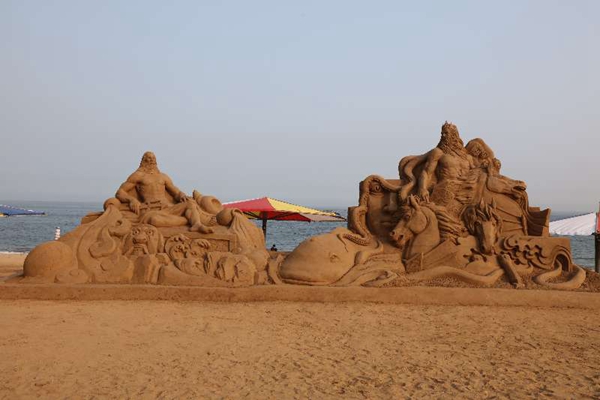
[[173, 190], [428, 171], [124, 196]]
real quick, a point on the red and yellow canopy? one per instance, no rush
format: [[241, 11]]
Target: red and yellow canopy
[[266, 208]]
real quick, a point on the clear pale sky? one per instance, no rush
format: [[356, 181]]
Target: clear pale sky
[[295, 100]]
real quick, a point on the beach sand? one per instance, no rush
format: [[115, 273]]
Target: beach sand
[[166, 349], [11, 263], [153, 349]]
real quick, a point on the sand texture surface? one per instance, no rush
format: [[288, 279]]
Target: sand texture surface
[[11, 263], [277, 350]]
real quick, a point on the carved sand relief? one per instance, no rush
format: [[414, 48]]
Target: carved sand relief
[[153, 233], [450, 214]]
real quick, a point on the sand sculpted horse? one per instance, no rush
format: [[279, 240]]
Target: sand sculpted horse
[[423, 227], [426, 232], [483, 222]]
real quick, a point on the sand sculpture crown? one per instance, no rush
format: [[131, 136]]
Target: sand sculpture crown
[[450, 217]]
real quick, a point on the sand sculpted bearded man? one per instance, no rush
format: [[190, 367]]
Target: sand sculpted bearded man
[[453, 175], [447, 162], [152, 195]]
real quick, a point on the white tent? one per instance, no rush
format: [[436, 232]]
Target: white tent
[[583, 225]]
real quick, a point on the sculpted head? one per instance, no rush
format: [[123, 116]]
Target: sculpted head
[[143, 239], [412, 222], [497, 165], [148, 163], [483, 221], [481, 152], [450, 141], [382, 206], [476, 150]]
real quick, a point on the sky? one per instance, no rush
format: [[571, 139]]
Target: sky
[[299, 101]]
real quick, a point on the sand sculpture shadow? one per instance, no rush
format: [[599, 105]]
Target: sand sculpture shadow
[[451, 215]]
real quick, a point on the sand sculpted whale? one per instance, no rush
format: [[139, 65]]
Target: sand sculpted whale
[[333, 259]]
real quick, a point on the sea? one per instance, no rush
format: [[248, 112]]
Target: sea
[[22, 233]]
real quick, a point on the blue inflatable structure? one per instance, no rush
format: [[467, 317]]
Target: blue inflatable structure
[[9, 211]]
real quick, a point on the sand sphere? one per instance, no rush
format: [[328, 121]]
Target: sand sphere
[[47, 259], [211, 204], [225, 216]]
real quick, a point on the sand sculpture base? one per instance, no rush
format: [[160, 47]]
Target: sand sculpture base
[[587, 296], [417, 295]]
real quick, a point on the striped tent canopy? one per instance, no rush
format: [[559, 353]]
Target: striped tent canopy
[[582, 225], [266, 208], [8, 211]]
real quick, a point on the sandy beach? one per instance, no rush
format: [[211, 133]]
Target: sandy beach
[[11, 263], [179, 349], [167, 350]]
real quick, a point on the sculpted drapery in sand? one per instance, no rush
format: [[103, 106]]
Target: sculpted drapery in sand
[[450, 214], [152, 232]]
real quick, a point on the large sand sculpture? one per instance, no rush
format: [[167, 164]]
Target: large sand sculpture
[[152, 232], [450, 217], [451, 214]]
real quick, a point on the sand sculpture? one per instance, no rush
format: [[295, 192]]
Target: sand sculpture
[[152, 232], [451, 215]]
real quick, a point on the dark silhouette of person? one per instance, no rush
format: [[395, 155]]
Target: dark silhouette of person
[[273, 248]]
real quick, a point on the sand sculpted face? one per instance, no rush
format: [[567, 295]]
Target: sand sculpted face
[[383, 207], [148, 163], [143, 239], [448, 216], [450, 141]]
